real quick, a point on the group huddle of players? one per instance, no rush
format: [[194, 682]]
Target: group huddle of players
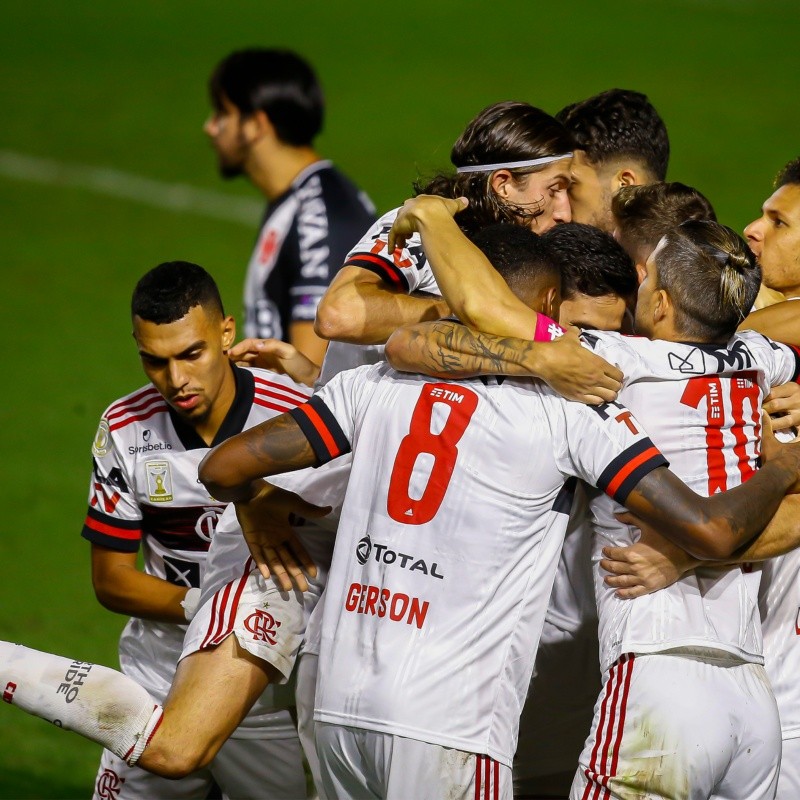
[[519, 553]]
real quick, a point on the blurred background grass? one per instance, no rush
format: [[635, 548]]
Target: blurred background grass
[[123, 86]]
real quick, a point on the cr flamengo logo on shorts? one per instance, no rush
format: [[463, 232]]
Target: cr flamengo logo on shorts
[[109, 785], [263, 626]]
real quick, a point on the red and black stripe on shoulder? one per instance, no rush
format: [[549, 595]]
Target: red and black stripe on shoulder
[[116, 534], [620, 477], [321, 429], [384, 268]]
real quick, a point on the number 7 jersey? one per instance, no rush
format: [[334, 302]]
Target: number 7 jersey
[[448, 543]]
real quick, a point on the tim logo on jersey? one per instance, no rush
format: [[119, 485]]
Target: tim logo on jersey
[[384, 555]]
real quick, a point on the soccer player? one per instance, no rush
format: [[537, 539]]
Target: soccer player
[[144, 492], [620, 141], [643, 214], [268, 109], [699, 282], [445, 558]]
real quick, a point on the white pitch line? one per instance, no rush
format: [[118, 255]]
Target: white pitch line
[[178, 197]]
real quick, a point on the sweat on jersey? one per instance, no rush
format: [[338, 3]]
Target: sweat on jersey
[[144, 492], [303, 241], [449, 538], [701, 405]]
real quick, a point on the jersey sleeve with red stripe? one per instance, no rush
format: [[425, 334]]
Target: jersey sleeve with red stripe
[[328, 419], [113, 519], [607, 447], [406, 269]]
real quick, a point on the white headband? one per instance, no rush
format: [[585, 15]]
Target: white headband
[[534, 162]]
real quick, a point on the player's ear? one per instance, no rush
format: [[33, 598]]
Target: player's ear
[[501, 182], [258, 126], [627, 176], [662, 305], [551, 302], [228, 333], [641, 272]]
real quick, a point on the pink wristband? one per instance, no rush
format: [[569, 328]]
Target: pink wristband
[[547, 329]]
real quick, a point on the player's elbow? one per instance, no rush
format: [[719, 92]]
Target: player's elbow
[[214, 474], [335, 317], [712, 541], [175, 763], [396, 350]]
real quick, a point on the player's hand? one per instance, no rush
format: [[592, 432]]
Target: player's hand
[[783, 406], [266, 521], [275, 355], [576, 373], [412, 212], [650, 564]]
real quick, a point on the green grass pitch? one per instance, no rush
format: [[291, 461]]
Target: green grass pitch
[[122, 86]]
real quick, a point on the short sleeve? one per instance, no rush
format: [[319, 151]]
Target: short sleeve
[[113, 518], [328, 419], [781, 362], [406, 269], [607, 447]]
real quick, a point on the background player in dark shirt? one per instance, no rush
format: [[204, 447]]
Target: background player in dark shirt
[[268, 108]]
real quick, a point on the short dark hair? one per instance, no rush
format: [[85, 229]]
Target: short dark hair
[[711, 276], [616, 124], [643, 214], [168, 292], [591, 262], [518, 254], [789, 174], [503, 132], [278, 82]]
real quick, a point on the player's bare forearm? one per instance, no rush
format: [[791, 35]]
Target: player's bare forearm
[[124, 589], [447, 349], [780, 322], [714, 527], [781, 535], [307, 343], [231, 471], [361, 309], [473, 289]]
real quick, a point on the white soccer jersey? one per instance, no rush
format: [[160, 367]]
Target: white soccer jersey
[[406, 269], [145, 492], [779, 603], [450, 534], [702, 406]]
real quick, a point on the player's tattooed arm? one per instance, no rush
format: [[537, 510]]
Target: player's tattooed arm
[[447, 349], [231, 471], [715, 527]]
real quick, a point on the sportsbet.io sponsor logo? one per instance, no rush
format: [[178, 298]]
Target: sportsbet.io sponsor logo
[[385, 555], [148, 448]]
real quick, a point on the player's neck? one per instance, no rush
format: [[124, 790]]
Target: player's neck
[[273, 168], [208, 428]]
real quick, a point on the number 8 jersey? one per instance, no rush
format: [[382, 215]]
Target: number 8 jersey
[[448, 543]]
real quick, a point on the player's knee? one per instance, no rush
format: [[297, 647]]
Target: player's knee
[[177, 760]]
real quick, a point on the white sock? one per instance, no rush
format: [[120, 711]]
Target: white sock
[[99, 703]]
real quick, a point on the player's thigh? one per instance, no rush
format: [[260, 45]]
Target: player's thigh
[[789, 778], [658, 731], [117, 781], [270, 769], [211, 693], [344, 769], [753, 771]]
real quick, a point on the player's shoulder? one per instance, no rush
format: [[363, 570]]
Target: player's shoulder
[[755, 340], [326, 182], [276, 391], [137, 407]]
